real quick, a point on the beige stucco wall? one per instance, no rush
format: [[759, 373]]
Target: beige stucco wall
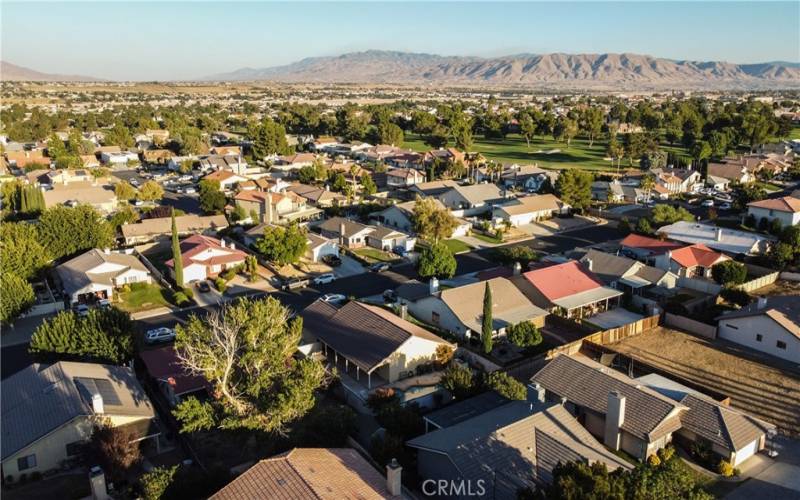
[[415, 351]]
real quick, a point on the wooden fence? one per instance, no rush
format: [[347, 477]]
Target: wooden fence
[[690, 325]]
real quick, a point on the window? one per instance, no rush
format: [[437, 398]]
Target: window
[[435, 317], [780, 345], [759, 337], [732, 327], [75, 448], [25, 463]]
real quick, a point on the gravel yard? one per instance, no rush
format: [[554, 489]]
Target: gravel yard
[[761, 389]]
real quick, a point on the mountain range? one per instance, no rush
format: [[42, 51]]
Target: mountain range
[[524, 70], [13, 73]]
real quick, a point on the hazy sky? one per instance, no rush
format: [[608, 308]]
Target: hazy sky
[[161, 41]]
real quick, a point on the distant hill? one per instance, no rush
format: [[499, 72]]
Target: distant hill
[[13, 73], [622, 71]]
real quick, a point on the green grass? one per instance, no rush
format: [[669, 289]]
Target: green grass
[[374, 255], [142, 298], [768, 186], [513, 149], [487, 239], [795, 133], [457, 246]]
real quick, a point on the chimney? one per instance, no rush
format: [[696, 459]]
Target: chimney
[[719, 234], [341, 233], [433, 286], [222, 242], [588, 263], [761, 303], [97, 480], [404, 311], [233, 246], [517, 268], [615, 417], [97, 404], [394, 478], [107, 251], [536, 392]]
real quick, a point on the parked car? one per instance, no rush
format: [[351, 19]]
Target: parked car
[[401, 251], [332, 260], [81, 310], [333, 298], [379, 267], [104, 303], [708, 203], [189, 190], [323, 279], [294, 283], [389, 295], [159, 335], [203, 286], [725, 206], [134, 183]]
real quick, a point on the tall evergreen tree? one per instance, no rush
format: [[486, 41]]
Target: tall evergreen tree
[[486, 330], [176, 253]]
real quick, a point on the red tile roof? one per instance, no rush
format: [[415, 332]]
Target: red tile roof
[[562, 280], [697, 255], [785, 204], [196, 244], [654, 245]]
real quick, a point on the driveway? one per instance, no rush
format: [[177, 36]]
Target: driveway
[[778, 481], [349, 267]]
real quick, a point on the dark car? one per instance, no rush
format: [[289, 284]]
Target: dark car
[[332, 260], [379, 267], [203, 287]]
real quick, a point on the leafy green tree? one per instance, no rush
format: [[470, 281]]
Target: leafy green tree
[[389, 133], [17, 296], [746, 193], [565, 129], [326, 426], [592, 123], [487, 322], [432, 222], [643, 226], [459, 382], [212, 200], [729, 272], [125, 215], [251, 268], [306, 174], [155, 483], [667, 214], [574, 187], [507, 386], [524, 334], [66, 231], [124, 191], [368, 186], [782, 254], [518, 253], [268, 138], [105, 335], [246, 351], [282, 245], [437, 260], [21, 252], [116, 448], [151, 191], [176, 253]]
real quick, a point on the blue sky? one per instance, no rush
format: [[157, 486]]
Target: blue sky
[[161, 41]]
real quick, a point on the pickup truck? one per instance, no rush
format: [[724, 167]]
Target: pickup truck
[[294, 284]]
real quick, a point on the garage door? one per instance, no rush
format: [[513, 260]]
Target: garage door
[[746, 452]]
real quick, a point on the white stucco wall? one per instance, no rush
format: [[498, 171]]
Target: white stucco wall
[[744, 330]]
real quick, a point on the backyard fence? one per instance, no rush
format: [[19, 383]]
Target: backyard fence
[[153, 270], [690, 325]]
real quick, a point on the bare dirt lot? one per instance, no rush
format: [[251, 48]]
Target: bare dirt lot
[[761, 389], [780, 287]]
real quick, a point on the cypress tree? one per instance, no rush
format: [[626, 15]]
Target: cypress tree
[[176, 253], [486, 333]]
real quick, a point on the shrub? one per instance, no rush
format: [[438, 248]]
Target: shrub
[[750, 221], [775, 227], [138, 286], [729, 273], [653, 460], [180, 298], [524, 334], [126, 288], [187, 290], [735, 296], [220, 284], [228, 274], [725, 468], [665, 454], [507, 386], [520, 253]]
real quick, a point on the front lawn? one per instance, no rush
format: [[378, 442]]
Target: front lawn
[[768, 186], [142, 297], [487, 238], [457, 246], [373, 255]]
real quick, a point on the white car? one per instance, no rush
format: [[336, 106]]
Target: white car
[[323, 279], [134, 183], [189, 190], [333, 298], [708, 203], [158, 335]]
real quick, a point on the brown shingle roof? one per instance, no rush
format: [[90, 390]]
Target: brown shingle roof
[[721, 425], [785, 204], [324, 473]]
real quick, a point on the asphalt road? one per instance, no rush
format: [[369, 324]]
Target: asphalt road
[[189, 203]]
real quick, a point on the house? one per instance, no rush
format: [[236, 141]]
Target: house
[[528, 209], [785, 209], [529, 178], [512, 447], [276, 208], [89, 161], [294, 162], [568, 289], [157, 156], [718, 183], [101, 197], [677, 180], [693, 261], [459, 310], [50, 410], [447, 155], [95, 275], [646, 249], [403, 177], [205, 257], [628, 275], [118, 158], [400, 216], [375, 341], [388, 239], [612, 192], [433, 189], [22, 159], [730, 434], [770, 325], [314, 474], [472, 200], [348, 233], [319, 247], [729, 241], [158, 136], [730, 171], [317, 196], [324, 142], [67, 176], [160, 228], [626, 415], [173, 379], [227, 180], [226, 150], [230, 163]]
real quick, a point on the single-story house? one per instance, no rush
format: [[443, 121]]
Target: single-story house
[[49, 413], [348, 233], [294, 162], [613, 407], [433, 188], [568, 289], [101, 197], [512, 447], [473, 199], [231, 163], [276, 208], [157, 156], [161, 227], [626, 274], [386, 238], [375, 341], [317, 196], [529, 209], [319, 247], [770, 325], [459, 310], [227, 180], [314, 474], [529, 178], [96, 273], [644, 248], [731, 171], [729, 241], [693, 261], [403, 177], [205, 257], [785, 209], [118, 158], [172, 378], [400, 216]]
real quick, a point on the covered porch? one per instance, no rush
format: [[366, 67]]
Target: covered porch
[[587, 304]]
